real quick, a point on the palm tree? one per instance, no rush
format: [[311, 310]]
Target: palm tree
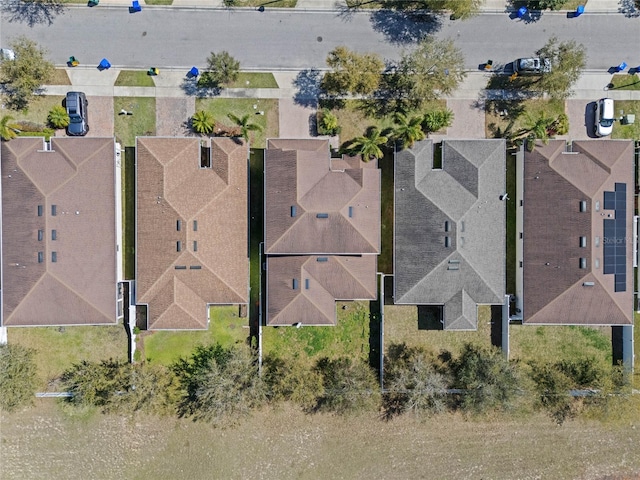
[[245, 126], [535, 128], [8, 130], [202, 122], [436, 120], [367, 145], [58, 117], [408, 131]]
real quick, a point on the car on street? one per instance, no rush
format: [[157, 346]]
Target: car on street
[[76, 105], [532, 66], [604, 117]]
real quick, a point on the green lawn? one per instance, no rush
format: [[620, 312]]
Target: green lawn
[[625, 82], [129, 213], [134, 78], [349, 337], [141, 123], [225, 327], [623, 107], [354, 121], [59, 347], [255, 80], [220, 107], [38, 109]]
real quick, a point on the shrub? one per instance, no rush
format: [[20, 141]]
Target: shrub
[[436, 120], [18, 376], [58, 117], [292, 380], [202, 122], [349, 386], [327, 123]]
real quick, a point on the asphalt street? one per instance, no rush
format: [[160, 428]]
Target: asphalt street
[[272, 40]]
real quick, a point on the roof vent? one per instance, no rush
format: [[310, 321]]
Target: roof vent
[[446, 226], [195, 267], [322, 215], [350, 212], [322, 259], [39, 210], [306, 283], [583, 263], [40, 257], [178, 246], [583, 206], [195, 225], [54, 257], [40, 235], [295, 284], [583, 242], [54, 210], [588, 284], [178, 225], [447, 242], [293, 210], [180, 267]]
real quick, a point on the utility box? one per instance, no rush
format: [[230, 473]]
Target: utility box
[[629, 119]]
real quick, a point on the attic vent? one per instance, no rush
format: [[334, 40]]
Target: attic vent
[[306, 283], [322, 259], [195, 225], [54, 234], [40, 235], [293, 210], [39, 210], [195, 267], [447, 242], [322, 215], [446, 226], [54, 257], [178, 225], [583, 242], [350, 212], [588, 284], [40, 257], [178, 246], [54, 210], [583, 263], [295, 284], [180, 267], [583, 206]]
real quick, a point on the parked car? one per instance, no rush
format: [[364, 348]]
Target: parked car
[[7, 54], [76, 105], [604, 117], [532, 66]]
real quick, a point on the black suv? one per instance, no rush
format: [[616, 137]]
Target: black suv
[[76, 104]]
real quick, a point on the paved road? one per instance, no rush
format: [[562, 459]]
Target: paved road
[[296, 40]]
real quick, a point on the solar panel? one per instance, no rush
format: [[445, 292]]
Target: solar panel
[[615, 233]]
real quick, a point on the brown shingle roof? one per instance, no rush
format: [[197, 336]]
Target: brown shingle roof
[[172, 188], [77, 179], [556, 289], [318, 206], [298, 174], [318, 284]]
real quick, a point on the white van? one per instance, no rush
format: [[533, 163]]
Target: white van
[[604, 117]]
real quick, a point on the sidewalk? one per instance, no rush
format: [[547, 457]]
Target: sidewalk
[[489, 6]]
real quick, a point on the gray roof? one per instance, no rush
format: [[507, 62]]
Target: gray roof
[[449, 244]]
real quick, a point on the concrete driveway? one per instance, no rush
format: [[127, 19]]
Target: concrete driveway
[[172, 115]]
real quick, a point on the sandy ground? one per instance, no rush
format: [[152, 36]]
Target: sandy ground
[[42, 442]]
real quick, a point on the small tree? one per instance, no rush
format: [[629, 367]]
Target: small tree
[[18, 376], [202, 122], [568, 60], [58, 117], [367, 145], [222, 69], [327, 123], [219, 384], [485, 376], [412, 383], [352, 73], [292, 381], [553, 387], [25, 74], [245, 125], [8, 130], [349, 386], [408, 130], [436, 120]]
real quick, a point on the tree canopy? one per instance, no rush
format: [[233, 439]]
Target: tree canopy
[[222, 69], [26, 73], [568, 59], [352, 73]]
